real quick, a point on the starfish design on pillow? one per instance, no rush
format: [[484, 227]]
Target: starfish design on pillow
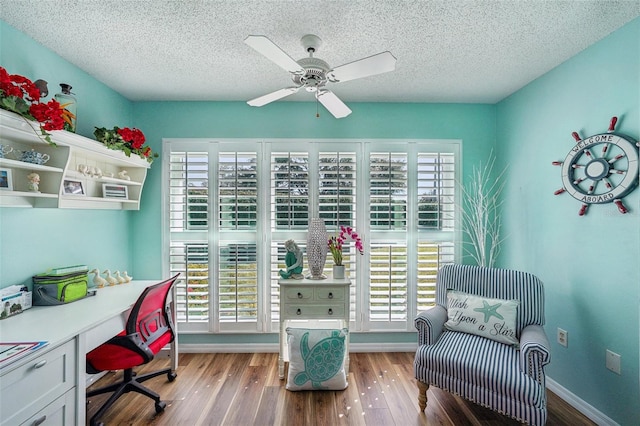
[[489, 311]]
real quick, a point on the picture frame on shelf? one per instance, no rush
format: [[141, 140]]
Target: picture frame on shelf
[[6, 179], [110, 190], [73, 187]]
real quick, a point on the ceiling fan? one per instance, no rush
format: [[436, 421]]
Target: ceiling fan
[[313, 74]]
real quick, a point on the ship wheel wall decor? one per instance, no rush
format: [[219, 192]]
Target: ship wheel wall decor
[[600, 169]]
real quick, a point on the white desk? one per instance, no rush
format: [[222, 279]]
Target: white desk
[[307, 299], [72, 330]]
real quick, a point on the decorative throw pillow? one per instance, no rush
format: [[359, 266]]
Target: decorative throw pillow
[[491, 318], [316, 359]]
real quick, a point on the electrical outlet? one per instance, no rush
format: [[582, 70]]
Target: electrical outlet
[[563, 337], [613, 361]]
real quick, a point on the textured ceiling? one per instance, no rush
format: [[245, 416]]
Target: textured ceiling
[[448, 51]]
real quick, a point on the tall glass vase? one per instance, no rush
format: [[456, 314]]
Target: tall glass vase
[[68, 102], [317, 248]]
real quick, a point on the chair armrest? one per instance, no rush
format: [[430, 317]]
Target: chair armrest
[[430, 324], [534, 351]]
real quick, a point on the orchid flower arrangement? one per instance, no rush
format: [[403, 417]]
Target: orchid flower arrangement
[[336, 242], [20, 95]]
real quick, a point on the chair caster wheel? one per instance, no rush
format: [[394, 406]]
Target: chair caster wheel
[[171, 376], [160, 406]]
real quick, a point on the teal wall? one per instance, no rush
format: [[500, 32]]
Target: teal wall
[[33, 240], [590, 264]]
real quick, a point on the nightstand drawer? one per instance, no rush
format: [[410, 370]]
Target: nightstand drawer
[[330, 293], [298, 293], [316, 311]]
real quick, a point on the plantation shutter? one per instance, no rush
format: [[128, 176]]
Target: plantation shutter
[[388, 287], [238, 283], [431, 256], [189, 222], [191, 260], [388, 190], [289, 215], [237, 190], [337, 189], [289, 190], [237, 262], [435, 221], [188, 191], [388, 194], [337, 206]]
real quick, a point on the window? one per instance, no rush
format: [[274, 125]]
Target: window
[[228, 243]]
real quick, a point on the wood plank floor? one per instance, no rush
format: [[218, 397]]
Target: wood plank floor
[[244, 389]]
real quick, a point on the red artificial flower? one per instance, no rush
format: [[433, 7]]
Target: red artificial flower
[[147, 151], [134, 137], [26, 102], [49, 115], [19, 86]]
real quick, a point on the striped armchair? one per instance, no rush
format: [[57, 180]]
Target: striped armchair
[[504, 378]]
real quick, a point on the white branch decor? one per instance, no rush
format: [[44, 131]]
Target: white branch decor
[[481, 213]]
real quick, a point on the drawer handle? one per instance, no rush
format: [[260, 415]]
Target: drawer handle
[[299, 295], [39, 421], [40, 364], [330, 295], [299, 312], [330, 311]]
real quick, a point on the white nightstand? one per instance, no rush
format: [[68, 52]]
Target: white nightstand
[[313, 300]]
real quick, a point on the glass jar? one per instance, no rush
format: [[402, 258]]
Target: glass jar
[[68, 102]]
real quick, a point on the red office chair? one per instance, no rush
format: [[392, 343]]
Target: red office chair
[[149, 328]]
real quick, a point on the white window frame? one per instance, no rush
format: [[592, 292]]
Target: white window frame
[[263, 234]]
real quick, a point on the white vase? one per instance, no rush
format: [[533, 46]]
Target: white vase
[[317, 248], [338, 272]]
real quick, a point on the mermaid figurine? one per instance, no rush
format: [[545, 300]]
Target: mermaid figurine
[[293, 260]]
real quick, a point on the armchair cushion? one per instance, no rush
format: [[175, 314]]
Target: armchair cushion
[[494, 319], [487, 370]]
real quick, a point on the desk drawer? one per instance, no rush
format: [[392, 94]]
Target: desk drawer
[[315, 311], [62, 411], [298, 293], [34, 385]]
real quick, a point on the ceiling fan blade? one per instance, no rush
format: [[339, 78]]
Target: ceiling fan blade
[[376, 64], [271, 51], [273, 96], [332, 103]]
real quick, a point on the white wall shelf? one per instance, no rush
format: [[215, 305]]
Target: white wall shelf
[[71, 154]]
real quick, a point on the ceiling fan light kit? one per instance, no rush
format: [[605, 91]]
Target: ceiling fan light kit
[[313, 74]]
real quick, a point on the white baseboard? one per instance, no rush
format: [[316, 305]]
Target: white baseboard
[[273, 347], [593, 414]]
